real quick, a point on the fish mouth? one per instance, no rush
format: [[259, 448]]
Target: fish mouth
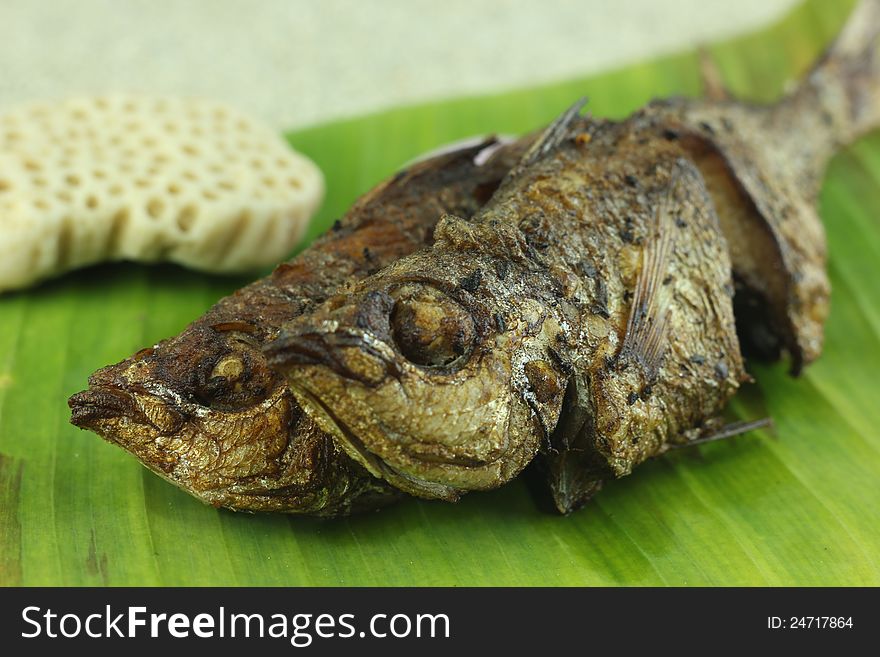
[[307, 348], [118, 418], [89, 407], [93, 408]]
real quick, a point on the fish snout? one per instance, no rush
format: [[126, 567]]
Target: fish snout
[[100, 405], [88, 407]]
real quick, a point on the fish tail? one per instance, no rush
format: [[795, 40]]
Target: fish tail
[[835, 103], [847, 77]]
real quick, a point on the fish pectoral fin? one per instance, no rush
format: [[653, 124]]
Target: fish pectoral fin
[[574, 428], [645, 339], [556, 133], [575, 469]]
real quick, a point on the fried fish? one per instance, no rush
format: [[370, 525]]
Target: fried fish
[[587, 312], [204, 410]]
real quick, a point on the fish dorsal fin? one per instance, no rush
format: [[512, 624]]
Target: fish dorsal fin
[[555, 134], [710, 76], [646, 330]]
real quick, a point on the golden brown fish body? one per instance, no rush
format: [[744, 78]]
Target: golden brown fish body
[[596, 286], [447, 371], [764, 166], [205, 411]]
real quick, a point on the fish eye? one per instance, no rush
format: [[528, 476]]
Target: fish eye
[[429, 328], [235, 380]]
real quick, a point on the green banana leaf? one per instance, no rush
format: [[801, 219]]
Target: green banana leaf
[[799, 505]]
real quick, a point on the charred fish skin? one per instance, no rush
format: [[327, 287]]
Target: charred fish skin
[[204, 410], [764, 166], [445, 372]]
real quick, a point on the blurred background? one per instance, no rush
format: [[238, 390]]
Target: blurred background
[[298, 62]]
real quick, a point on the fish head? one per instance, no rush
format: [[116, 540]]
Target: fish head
[[203, 410], [416, 380]]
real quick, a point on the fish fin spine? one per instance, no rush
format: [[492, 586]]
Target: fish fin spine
[[727, 431], [648, 325], [556, 133], [710, 77]]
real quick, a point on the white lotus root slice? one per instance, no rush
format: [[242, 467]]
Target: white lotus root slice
[[147, 179]]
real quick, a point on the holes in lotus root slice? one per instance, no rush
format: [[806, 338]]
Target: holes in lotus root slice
[[118, 224], [65, 243], [186, 218], [155, 208], [154, 177], [236, 230]]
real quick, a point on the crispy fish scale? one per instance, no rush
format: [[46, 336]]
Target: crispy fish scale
[[768, 211], [205, 411], [447, 371], [665, 375], [764, 166]]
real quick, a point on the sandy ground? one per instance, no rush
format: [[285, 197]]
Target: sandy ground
[[296, 62]]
